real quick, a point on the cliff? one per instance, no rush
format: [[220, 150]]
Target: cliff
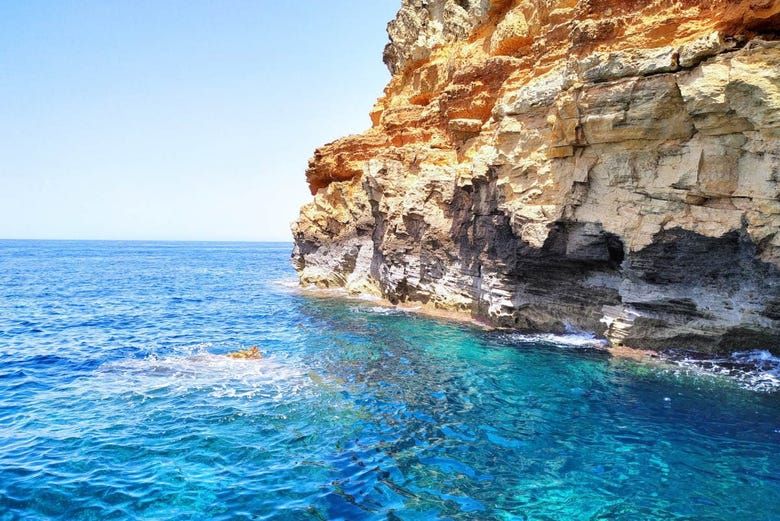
[[550, 165]]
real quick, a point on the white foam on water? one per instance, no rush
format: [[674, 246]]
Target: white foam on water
[[289, 283], [757, 370], [195, 368], [758, 357], [568, 340]]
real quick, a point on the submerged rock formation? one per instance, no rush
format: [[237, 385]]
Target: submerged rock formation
[[551, 165]]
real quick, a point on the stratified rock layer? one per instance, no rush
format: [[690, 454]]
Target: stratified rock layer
[[595, 165]]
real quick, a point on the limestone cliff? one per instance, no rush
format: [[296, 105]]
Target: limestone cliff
[[598, 165]]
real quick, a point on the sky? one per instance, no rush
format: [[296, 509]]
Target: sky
[[176, 119]]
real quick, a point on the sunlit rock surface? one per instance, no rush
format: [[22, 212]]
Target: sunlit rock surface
[[594, 165]]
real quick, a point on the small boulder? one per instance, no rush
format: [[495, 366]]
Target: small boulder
[[253, 353]]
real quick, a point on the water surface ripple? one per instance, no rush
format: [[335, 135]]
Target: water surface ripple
[[116, 403]]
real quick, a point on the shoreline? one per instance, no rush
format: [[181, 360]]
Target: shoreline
[[463, 317], [755, 371]]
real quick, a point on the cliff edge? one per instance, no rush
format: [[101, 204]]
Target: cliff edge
[[548, 165]]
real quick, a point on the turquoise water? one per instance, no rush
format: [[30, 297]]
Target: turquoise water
[[116, 404]]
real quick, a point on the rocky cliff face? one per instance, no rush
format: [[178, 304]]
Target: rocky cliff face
[[598, 165]]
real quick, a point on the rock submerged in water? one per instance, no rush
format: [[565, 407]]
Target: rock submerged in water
[[252, 353], [612, 168]]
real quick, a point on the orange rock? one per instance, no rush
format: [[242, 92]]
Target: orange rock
[[253, 353], [464, 68]]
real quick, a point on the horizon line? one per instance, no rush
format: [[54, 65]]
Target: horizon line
[[248, 241]]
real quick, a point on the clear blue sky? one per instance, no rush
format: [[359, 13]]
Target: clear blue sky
[[187, 119]]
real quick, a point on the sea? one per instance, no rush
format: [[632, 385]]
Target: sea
[[117, 402]]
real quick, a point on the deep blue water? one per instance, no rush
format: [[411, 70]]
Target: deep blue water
[[115, 403]]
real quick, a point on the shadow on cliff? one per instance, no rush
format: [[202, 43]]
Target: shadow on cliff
[[684, 290]]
